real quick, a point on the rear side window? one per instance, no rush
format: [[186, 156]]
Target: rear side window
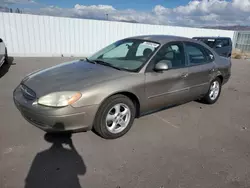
[[223, 42], [197, 54]]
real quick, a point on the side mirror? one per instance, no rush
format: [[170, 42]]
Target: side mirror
[[1, 40], [161, 66]]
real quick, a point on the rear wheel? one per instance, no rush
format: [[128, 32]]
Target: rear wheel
[[6, 58], [214, 91], [115, 117]]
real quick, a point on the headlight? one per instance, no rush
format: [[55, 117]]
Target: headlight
[[59, 99]]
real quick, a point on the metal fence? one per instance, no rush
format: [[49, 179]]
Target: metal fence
[[34, 35], [242, 41]]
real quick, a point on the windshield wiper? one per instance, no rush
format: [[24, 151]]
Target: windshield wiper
[[106, 64], [88, 60]]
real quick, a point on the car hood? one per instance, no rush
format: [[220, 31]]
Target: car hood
[[70, 76]]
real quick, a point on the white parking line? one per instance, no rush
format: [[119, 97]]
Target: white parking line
[[166, 121]]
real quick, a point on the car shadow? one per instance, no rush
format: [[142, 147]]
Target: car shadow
[[57, 166], [6, 66]]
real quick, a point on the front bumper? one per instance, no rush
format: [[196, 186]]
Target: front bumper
[[55, 119]]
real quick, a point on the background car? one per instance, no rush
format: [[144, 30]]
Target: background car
[[125, 80], [222, 45], [3, 53]]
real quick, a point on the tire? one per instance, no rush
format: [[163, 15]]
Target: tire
[[109, 110], [6, 58], [209, 98]]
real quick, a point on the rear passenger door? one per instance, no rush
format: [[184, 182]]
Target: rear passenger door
[[201, 66]]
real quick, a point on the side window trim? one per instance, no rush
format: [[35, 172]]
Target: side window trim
[[149, 67], [203, 50]]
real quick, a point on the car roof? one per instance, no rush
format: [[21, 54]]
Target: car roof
[[162, 39], [212, 37]]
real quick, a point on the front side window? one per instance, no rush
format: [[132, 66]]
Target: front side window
[[172, 54], [142, 48], [128, 54], [196, 54]]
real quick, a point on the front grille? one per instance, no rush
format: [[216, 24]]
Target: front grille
[[28, 93]]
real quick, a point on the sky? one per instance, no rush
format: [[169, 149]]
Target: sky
[[121, 4], [166, 12]]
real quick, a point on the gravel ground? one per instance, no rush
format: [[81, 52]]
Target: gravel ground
[[188, 146]]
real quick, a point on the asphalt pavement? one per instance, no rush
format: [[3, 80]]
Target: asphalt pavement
[[188, 146]]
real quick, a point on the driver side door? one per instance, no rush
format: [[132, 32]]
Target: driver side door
[[168, 87]]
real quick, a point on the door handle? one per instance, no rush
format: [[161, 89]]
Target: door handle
[[184, 75]]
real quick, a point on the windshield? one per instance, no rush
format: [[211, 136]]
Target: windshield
[[127, 54]]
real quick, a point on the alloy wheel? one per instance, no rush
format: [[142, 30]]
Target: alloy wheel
[[214, 90], [118, 118]]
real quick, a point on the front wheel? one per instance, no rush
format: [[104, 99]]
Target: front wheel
[[214, 91], [115, 117]]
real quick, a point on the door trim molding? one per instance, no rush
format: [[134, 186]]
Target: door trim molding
[[167, 93], [198, 85], [175, 91]]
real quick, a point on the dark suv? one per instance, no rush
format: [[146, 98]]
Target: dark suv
[[222, 45]]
